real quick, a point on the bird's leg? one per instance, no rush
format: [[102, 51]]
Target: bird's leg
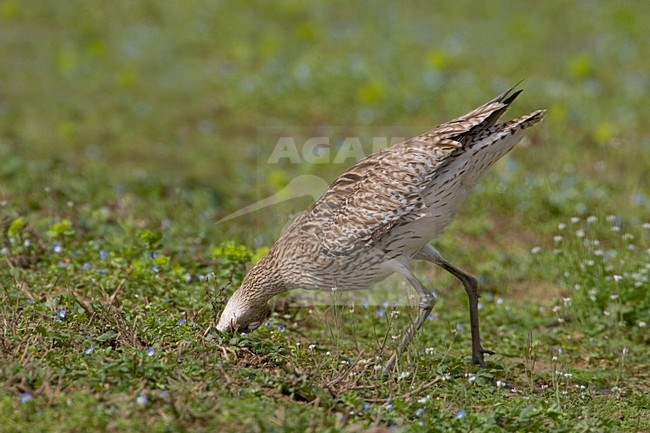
[[471, 287], [427, 301]]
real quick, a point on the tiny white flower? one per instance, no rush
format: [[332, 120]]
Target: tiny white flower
[[561, 226], [642, 324], [592, 219], [575, 220], [617, 278], [557, 238], [404, 375], [535, 250], [500, 384], [580, 233]]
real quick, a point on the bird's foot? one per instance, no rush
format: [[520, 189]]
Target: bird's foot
[[388, 368], [477, 357]]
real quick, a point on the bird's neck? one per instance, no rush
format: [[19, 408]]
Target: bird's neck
[[264, 280]]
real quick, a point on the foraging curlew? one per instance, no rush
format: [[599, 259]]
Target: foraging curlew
[[381, 214]]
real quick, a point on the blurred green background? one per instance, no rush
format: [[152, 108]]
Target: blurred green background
[[171, 94]]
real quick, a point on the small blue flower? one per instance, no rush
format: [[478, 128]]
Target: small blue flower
[[365, 303], [25, 397], [27, 243], [103, 254], [460, 414], [153, 254], [188, 277], [367, 406], [380, 312], [459, 327], [61, 312], [281, 328], [180, 322], [63, 265], [57, 248], [164, 393], [87, 266], [149, 351], [57, 319], [432, 316], [419, 412], [90, 350], [4, 251], [142, 400], [100, 271], [389, 407], [267, 324], [30, 301]]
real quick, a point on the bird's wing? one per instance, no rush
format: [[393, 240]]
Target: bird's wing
[[366, 201]]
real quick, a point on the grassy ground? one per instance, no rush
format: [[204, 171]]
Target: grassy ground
[[128, 129]]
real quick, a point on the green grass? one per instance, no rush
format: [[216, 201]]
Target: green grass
[[128, 129]]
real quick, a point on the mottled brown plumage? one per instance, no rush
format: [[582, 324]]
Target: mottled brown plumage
[[382, 213]]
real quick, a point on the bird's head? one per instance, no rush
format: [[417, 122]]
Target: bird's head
[[248, 307], [243, 314]]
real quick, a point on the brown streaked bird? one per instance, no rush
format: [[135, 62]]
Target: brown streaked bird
[[382, 213]]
